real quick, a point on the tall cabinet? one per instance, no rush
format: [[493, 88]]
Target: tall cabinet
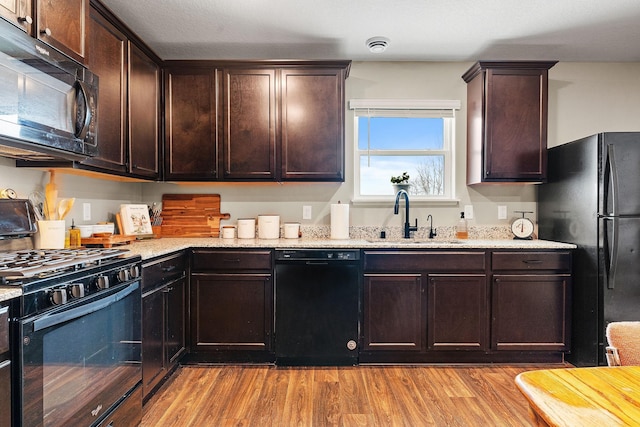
[[507, 121]]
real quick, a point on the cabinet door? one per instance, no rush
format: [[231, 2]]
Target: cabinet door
[[18, 12], [516, 125], [312, 136], [63, 25], [394, 312], [531, 312], [457, 312], [191, 125], [231, 312], [249, 142], [144, 104], [175, 319], [108, 59], [152, 339]]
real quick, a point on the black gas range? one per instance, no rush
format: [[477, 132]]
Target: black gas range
[[75, 330]]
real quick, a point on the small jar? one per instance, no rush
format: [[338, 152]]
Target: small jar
[[228, 232]]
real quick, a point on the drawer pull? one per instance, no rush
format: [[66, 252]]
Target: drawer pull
[[234, 260], [168, 269], [532, 261]]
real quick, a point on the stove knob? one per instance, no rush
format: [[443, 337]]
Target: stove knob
[[58, 296], [76, 290], [134, 272], [102, 282], [123, 275]]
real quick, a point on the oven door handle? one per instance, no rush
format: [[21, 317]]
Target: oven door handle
[[49, 320]]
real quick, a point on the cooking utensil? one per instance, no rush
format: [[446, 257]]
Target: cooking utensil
[[37, 201], [50, 197], [64, 206]]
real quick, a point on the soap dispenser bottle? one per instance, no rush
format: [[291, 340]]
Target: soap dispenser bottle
[[461, 229]]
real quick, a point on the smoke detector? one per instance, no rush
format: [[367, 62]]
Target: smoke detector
[[377, 44]]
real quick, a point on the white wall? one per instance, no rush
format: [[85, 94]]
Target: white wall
[[584, 98]]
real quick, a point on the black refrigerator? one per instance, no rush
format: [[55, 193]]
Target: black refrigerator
[[592, 199]]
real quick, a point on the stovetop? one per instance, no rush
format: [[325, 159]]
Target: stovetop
[[15, 266]]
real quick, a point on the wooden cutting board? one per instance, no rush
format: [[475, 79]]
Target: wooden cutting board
[[191, 215]]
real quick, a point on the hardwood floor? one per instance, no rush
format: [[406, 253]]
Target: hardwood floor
[[341, 396]]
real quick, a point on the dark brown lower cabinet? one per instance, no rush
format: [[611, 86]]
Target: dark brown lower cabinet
[[465, 306], [231, 312], [531, 312], [5, 369], [163, 319], [231, 306], [458, 312], [394, 312]]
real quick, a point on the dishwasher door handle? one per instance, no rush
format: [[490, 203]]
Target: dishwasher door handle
[[316, 263]]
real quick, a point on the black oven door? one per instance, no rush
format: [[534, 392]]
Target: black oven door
[[78, 361]]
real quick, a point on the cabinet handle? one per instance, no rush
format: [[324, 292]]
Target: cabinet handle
[[25, 20], [46, 32], [532, 261], [234, 260], [168, 269]]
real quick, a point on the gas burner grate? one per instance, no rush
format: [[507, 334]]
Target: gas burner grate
[[35, 262]]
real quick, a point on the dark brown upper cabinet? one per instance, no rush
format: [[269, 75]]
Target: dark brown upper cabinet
[[312, 138], [249, 128], [191, 124], [128, 101], [144, 114], [63, 24], [507, 121], [108, 60], [19, 13], [267, 120]]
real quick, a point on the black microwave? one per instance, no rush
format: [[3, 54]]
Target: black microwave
[[48, 102]]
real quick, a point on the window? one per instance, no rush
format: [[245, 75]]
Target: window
[[396, 136]]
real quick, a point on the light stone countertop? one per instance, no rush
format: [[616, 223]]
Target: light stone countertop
[[156, 247], [152, 248], [10, 292]]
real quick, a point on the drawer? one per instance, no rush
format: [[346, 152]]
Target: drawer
[[163, 270], [541, 260], [232, 260], [428, 261]]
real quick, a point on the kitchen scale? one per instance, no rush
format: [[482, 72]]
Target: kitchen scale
[[522, 228]]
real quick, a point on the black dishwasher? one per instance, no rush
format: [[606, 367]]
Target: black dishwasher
[[317, 309]]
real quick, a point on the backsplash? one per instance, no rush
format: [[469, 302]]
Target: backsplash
[[444, 232]]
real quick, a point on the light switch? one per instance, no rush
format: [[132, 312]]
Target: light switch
[[502, 212], [468, 211], [86, 211], [306, 212]]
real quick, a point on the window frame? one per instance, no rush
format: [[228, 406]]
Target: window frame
[[408, 108]]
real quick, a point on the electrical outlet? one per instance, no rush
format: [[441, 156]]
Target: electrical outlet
[[86, 211], [502, 212], [468, 211], [306, 212]]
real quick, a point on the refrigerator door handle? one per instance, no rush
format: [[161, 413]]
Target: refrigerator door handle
[[611, 253], [613, 188]]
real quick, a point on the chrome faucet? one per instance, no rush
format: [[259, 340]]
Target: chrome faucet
[[408, 228]]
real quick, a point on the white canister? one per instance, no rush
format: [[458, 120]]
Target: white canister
[[228, 232], [50, 234], [246, 228], [268, 226], [291, 230]]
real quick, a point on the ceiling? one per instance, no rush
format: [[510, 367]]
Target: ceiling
[[419, 30]]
